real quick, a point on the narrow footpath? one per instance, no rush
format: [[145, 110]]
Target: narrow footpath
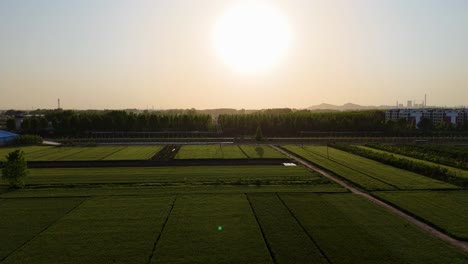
[[434, 232]]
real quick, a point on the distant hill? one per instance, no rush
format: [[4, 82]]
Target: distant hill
[[345, 107]]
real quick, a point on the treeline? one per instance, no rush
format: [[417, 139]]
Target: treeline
[[435, 172], [74, 123], [289, 123], [439, 154]]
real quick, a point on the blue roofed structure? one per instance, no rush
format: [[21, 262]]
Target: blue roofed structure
[[6, 137]]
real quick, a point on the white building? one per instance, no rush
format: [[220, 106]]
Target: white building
[[436, 115]]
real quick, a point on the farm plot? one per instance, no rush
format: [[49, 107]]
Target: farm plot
[[455, 171], [350, 229], [259, 151], [445, 210], [134, 153], [378, 172], [101, 230], [211, 229], [23, 219], [285, 237], [210, 152], [54, 153], [173, 175], [354, 176], [28, 151], [93, 153]]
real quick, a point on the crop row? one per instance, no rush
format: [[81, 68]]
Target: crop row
[[173, 175], [368, 174], [40, 153], [220, 151], [455, 156], [435, 172]]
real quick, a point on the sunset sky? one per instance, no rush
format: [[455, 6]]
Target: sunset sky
[[95, 54]]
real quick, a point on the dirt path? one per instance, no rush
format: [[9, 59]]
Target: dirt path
[[434, 232]]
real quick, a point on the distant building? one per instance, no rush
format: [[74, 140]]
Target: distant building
[[409, 104], [436, 115], [6, 137]]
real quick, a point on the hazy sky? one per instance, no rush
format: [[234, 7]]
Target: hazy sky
[[148, 53]]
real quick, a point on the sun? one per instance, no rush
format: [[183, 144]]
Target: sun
[[252, 37]]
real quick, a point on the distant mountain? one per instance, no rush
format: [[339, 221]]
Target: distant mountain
[[345, 107]]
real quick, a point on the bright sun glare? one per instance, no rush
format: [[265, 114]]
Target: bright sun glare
[[252, 37]]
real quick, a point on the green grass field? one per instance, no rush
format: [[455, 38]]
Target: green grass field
[[367, 173], [192, 235], [134, 153], [455, 171], [100, 230], [44, 153], [23, 219], [28, 151], [210, 152], [259, 151], [176, 175], [350, 229], [446, 210], [224, 214], [213, 228], [286, 238]]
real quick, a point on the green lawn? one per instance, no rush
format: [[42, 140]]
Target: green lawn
[[134, 153], [210, 152], [367, 173], [192, 235], [172, 175], [351, 229], [447, 210], [455, 171], [260, 151]]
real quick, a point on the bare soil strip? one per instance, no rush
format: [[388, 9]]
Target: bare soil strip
[[427, 228]]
